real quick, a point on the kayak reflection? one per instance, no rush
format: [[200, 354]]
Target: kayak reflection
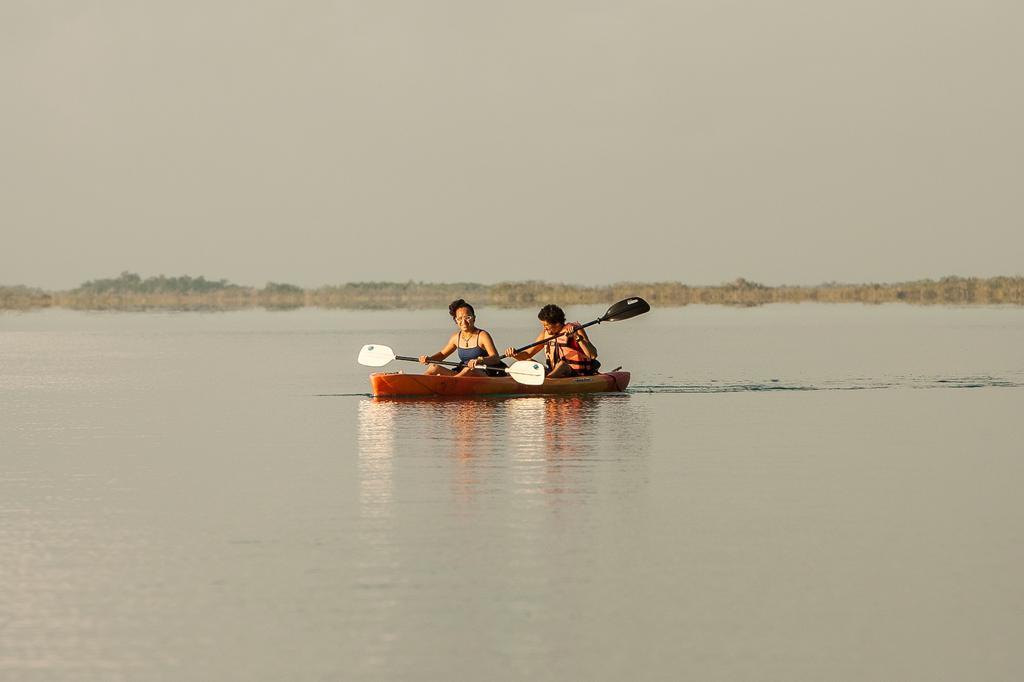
[[549, 439], [376, 440], [533, 445]]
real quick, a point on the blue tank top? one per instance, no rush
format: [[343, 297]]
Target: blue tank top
[[467, 354]]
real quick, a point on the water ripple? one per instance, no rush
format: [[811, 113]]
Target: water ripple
[[859, 384]]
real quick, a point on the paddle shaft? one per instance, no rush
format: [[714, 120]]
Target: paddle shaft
[[543, 341], [623, 310], [450, 364], [524, 372]]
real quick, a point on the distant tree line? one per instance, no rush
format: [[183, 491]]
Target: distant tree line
[[23, 298], [131, 283], [129, 291]]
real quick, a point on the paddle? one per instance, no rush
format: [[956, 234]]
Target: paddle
[[623, 310], [524, 371]]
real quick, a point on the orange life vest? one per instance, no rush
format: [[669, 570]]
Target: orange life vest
[[568, 348]]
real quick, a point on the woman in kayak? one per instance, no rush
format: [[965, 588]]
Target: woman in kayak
[[475, 346], [569, 355]]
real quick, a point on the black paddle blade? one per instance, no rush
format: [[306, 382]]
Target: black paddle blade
[[625, 309]]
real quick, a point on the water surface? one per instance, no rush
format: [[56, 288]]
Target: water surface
[[786, 492]]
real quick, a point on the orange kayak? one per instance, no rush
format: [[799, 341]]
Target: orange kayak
[[422, 385]]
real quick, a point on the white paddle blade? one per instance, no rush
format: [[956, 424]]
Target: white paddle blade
[[527, 372], [375, 356]]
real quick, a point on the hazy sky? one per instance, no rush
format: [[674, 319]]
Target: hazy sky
[[319, 142]]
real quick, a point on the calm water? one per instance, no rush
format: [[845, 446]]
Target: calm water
[[787, 493]]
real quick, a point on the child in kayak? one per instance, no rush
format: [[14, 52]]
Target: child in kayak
[[475, 346], [569, 355]]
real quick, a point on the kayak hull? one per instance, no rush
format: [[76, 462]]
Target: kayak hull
[[396, 384]]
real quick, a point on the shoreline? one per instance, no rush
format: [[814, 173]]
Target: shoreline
[[131, 293]]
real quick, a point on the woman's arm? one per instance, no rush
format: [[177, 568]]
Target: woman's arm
[[448, 349], [492, 353], [487, 343]]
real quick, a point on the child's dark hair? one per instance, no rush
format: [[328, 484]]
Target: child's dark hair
[[454, 306], [551, 313]]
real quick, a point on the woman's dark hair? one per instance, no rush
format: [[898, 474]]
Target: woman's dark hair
[[454, 306], [551, 313]]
